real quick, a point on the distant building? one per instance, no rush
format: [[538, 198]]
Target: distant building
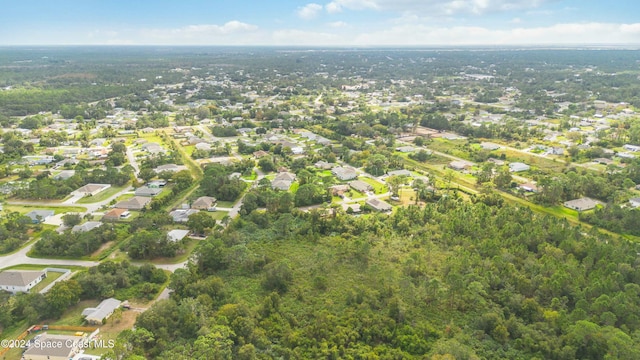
[[39, 216], [20, 281], [91, 189], [361, 186], [103, 311], [88, 226], [177, 235], [635, 202], [460, 165], [632, 148], [116, 214], [528, 187], [489, 146], [182, 215], [148, 191], [581, 204], [344, 173], [518, 167], [204, 203], [402, 172], [170, 167], [134, 203], [378, 205]]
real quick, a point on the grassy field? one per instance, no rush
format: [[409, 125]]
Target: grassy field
[[378, 188], [103, 195], [51, 277]]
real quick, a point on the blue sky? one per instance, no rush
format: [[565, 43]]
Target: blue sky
[[320, 23]]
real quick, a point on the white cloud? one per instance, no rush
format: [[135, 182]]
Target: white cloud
[[338, 24], [571, 33], [515, 20], [309, 11], [304, 38], [436, 7]]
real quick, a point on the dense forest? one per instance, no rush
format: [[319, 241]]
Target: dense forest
[[450, 280]]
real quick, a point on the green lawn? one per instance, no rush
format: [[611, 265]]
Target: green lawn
[[225, 204], [103, 195], [51, 277], [378, 188]]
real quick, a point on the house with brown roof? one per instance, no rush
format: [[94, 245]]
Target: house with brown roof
[[204, 203], [134, 203], [116, 214], [91, 189]]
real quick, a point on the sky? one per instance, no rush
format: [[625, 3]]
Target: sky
[[351, 23]]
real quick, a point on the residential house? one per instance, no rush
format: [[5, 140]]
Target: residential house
[[361, 186], [344, 173], [402, 172], [134, 203], [177, 235], [339, 190], [156, 184], [182, 215], [170, 167], [204, 203], [581, 204], [635, 202], [489, 146], [460, 165], [283, 181], [100, 313], [90, 189], [148, 191], [518, 167], [556, 150], [39, 216], [116, 214], [88, 226], [54, 347], [20, 281], [323, 165], [632, 148], [406, 149], [528, 187], [260, 153], [64, 174], [355, 207], [203, 146], [378, 205], [603, 161]]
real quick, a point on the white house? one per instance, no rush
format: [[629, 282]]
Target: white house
[[635, 202], [101, 312], [518, 167], [177, 235], [20, 281]]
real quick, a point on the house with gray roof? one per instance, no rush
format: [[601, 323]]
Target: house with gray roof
[[378, 205], [182, 215], [134, 203], [344, 173], [177, 235], [101, 312], [361, 186], [91, 189], [88, 226], [518, 167], [147, 191], [20, 281], [54, 347], [582, 204], [39, 216]]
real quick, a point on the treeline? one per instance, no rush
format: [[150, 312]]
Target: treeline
[[121, 280], [13, 231], [622, 220], [450, 280], [74, 244], [218, 183]]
